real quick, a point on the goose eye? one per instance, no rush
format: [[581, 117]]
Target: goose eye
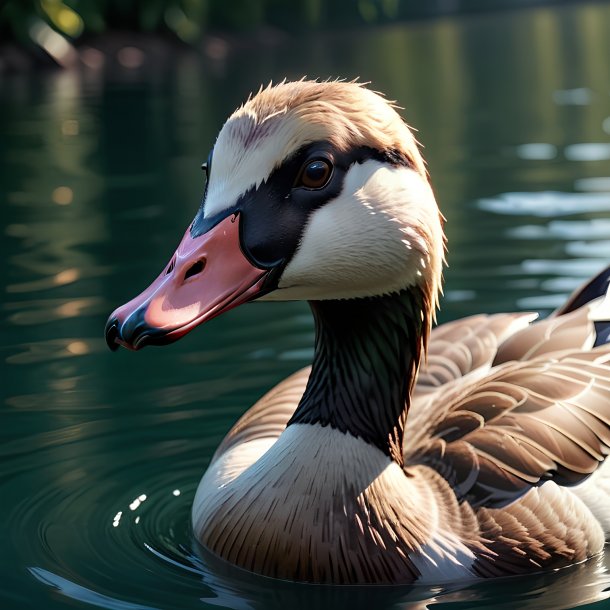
[[315, 174]]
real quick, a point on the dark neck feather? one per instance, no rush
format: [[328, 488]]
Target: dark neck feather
[[366, 356]]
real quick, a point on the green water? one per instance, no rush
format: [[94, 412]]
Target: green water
[[100, 453]]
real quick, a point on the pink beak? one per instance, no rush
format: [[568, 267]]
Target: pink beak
[[207, 276]]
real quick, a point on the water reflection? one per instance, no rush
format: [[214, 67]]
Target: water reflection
[[546, 203], [563, 230], [101, 174], [53, 349], [590, 151], [568, 588], [29, 313], [536, 151], [580, 96], [79, 593], [593, 184]]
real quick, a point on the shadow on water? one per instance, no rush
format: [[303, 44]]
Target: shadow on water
[[100, 453]]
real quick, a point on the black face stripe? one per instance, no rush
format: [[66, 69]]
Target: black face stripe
[[274, 215]]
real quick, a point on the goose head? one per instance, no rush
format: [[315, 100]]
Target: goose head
[[315, 191]]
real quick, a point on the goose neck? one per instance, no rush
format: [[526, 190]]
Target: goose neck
[[366, 356]]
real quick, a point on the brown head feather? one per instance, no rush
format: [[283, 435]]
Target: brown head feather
[[345, 113]]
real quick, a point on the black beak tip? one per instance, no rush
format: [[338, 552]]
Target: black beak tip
[[112, 334]]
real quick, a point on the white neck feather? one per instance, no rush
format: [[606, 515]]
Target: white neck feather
[[307, 505]]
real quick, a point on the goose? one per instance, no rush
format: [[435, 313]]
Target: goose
[[403, 454]]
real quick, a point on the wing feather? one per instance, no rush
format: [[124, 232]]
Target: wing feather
[[461, 347], [569, 331], [525, 423]]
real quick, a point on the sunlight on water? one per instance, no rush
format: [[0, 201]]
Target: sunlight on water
[[53, 349], [593, 184], [580, 96], [536, 151], [565, 230], [546, 203], [101, 452], [593, 151]]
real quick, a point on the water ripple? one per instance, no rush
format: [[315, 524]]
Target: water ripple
[[579, 96], [54, 349], [594, 228], [546, 203], [587, 151], [600, 183], [536, 151], [78, 592], [40, 311]]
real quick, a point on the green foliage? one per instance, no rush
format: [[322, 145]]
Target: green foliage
[[188, 20]]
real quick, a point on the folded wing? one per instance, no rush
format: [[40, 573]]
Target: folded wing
[[526, 422]]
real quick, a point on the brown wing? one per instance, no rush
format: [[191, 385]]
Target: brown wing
[[458, 352], [466, 350], [570, 331], [458, 348], [583, 321], [524, 423], [268, 416]]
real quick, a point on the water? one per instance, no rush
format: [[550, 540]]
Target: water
[[100, 453]]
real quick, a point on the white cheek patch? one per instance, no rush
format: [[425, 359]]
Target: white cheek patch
[[380, 235]]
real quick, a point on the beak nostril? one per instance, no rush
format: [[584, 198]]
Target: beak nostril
[[195, 268], [171, 266]]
